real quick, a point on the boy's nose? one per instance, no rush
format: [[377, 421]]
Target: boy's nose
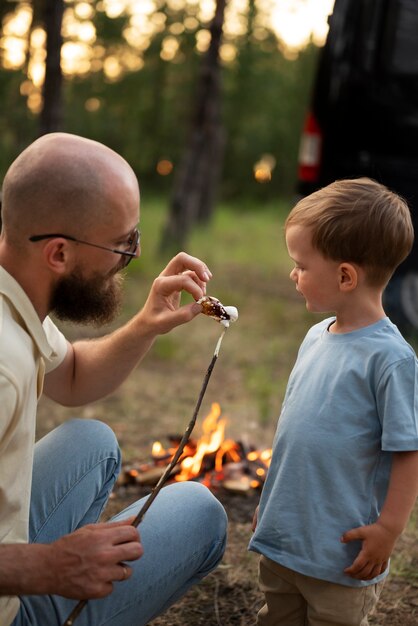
[[293, 275]]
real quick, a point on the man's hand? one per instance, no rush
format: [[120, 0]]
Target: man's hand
[[377, 545], [86, 563], [162, 312], [94, 368]]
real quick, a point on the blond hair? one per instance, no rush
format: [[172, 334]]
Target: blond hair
[[358, 221]]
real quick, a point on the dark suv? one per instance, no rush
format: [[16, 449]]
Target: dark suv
[[363, 118]]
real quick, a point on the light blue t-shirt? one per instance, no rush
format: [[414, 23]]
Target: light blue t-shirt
[[351, 400]]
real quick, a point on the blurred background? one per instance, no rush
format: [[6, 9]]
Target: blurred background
[[227, 110], [147, 76]]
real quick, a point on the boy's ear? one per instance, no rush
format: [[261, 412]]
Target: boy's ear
[[348, 277]]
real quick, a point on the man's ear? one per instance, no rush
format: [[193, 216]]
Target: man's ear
[[57, 255], [348, 277]]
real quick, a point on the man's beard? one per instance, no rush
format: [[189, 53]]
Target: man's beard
[[82, 300]]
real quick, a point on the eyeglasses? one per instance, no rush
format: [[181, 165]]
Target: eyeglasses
[[133, 243]]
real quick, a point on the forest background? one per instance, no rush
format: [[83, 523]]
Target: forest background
[[130, 76]]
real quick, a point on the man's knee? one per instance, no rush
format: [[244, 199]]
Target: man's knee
[[207, 515], [92, 438], [202, 505], [94, 432]]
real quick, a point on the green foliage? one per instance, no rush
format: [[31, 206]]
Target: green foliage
[[18, 127], [109, 29], [266, 99], [146, 115]]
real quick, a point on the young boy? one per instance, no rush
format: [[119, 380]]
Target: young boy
[[344, 473]]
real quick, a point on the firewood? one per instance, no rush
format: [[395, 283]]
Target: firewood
[[153, 475], [241, 485]]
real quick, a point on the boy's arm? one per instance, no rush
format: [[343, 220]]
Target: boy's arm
[[255, 519], [379, 539]]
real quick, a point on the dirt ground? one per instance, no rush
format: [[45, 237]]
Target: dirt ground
[[249, 381], [230, 596]]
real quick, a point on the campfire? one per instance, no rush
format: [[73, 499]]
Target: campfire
[[211, 459]]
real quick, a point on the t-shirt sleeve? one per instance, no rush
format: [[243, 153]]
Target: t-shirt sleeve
[[397, 402], [58, 343]]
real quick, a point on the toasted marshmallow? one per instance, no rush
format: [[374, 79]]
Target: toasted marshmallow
[[214, 308], [232, 311]]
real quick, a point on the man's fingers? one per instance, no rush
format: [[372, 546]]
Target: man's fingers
[[184, 314], [120, 534], [168, 285], [195, 277], [127, 551], [123, 537], [120, 572], [125, 534], [183, 262], [124, 522]]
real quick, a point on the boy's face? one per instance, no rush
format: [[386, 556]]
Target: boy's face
[[315, 277]]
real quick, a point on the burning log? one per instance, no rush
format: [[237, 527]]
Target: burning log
[[150, 476], [241, 485], [213, 460]]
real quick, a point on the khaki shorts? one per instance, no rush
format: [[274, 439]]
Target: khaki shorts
[[293, 599]]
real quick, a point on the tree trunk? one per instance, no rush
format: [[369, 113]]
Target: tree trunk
[[51, 115], [198, 175]]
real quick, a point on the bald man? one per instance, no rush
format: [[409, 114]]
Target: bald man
[[70, 209]]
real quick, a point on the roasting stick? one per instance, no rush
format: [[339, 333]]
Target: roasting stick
[[231, 316], [184, 439]]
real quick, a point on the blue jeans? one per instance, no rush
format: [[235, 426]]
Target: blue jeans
[[183, 533]]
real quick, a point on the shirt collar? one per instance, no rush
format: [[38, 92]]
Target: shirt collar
[[17, 297]]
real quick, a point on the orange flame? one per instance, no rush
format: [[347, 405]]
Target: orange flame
[[223, 451], [157, 448], [213, 434]]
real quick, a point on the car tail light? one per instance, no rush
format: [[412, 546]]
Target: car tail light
[[310, 150]]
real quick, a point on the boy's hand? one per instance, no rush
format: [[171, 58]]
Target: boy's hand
[[377, 545]]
